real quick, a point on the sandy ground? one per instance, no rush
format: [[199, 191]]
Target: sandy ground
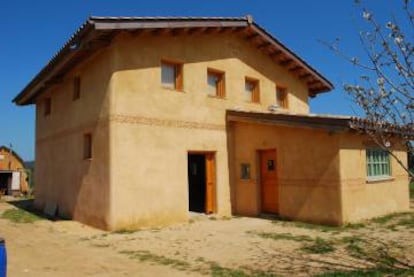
[[198, 248]]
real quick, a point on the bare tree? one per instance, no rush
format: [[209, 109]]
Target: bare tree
[[385, 91]]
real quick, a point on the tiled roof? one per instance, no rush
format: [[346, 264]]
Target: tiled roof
[[329, 122]]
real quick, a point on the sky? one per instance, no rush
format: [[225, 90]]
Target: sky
[[33, 31]]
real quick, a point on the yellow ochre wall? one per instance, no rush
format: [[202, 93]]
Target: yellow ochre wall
[[307, 163], [321, 175], [141, 131], [153, 128], [362, 199], [80, 188]]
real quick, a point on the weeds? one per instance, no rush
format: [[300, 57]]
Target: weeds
[[284, 236], [318, 246], [219, 271], [124, 231], [143, 255], [20, 216]]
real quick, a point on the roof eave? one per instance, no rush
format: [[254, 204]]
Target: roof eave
[[97, 24]]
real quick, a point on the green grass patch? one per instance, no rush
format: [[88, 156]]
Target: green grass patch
[[412, 190], [219, 271], [20, 216], [406, 222], [146, 256], [318, 246], [124, 231], [321, 228], [284, 236], [389, 217], [373, 272]]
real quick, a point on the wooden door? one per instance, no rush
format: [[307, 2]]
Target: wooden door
[[210, 183], [269, 185]]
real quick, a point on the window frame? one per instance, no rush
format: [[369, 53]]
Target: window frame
[[220, 84], [47, 106], [178, 74], [245, 171], [87, 146], [76, 93], [382, 165], [255, 97], [282, 102]]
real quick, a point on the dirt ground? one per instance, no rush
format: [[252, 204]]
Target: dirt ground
[[205, 246]]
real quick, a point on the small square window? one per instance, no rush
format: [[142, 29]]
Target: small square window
[[281, 97], [76, 88], [245, 171], [87, 146], [47, 108], [172, 75], [251, 90], [215, 82]]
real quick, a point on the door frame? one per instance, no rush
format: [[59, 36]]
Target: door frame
[[260, 179], [211, 176]]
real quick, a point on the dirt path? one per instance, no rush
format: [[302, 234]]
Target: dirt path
[[205, 246]]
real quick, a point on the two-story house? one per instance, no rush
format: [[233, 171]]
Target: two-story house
[[140, 121]]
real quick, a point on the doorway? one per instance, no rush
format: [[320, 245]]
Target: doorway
[[201, 182], [269, 181], [5, 182]]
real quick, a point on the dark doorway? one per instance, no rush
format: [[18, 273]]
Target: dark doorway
[[5, 180], [197, 182]]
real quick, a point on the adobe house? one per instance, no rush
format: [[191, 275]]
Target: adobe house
[[13, 175], [140, 121]]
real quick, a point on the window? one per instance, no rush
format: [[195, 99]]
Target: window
[[76, 88], [245, 171], [281, 97], [251, 90], [47, 108], [172, 75], [215, 82], [87, 146], [378, 163]]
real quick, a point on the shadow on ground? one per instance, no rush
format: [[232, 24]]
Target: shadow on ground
[[28, 206]]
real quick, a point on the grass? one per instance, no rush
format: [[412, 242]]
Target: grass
[[124, 231], [412, 190], [213, 268], [284, 236], [318, 246], [373, 272], [219, 271], [321, 228], [20, 216], [146, 256]]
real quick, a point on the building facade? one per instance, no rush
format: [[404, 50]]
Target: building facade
[[14, 178], [141, 120]]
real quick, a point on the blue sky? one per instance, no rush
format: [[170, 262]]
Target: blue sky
[[34, 30]]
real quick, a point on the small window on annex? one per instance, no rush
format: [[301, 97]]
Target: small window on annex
[[378, 163], [76, 88], [47, 106], [245, 171], [172, 75], [282, 97], [215, 83], [87, 146], [251, 90]]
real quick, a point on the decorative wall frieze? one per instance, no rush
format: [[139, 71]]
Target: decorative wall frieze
[[171, 123]]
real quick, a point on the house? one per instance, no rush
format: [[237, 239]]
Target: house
[[140, 121], [13, 175]]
